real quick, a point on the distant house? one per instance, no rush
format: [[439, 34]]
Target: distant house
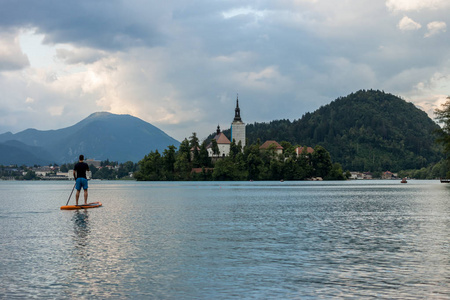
[[63, 174], [355, 175], [299, 150], [272, 144], [389, 175], [43, 171], [201, 170], [359, 175], [95, 163], [386, 175], [223, 143], [367, 175]]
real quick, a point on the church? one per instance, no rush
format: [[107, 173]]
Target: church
[[237, 134]]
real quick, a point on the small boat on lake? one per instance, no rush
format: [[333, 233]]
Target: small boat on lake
[[403, 180]]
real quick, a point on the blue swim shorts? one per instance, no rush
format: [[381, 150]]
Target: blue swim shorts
[[81, 182]]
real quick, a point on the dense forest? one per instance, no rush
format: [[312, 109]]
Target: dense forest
[[364, 131]]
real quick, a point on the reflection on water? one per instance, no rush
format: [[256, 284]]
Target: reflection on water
[[260, 240], [81, 231], [81, 226]]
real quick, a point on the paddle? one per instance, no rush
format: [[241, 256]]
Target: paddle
[[71, 193]]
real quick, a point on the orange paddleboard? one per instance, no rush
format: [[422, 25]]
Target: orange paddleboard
[[82, 206]]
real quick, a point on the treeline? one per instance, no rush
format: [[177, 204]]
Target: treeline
[[434, 171], [251, 163], [108, 170]]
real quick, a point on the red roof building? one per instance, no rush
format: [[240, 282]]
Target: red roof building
[[299, 150], [278, 148]]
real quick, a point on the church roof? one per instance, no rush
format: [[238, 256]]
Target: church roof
[[222, 139]]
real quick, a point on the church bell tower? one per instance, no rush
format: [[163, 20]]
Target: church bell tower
[[237, 126]]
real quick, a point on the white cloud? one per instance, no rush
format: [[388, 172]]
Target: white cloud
[[430, 91], [11, 55], [39, 54], [265, 79], [436, 28], [243, 11], [79, 55], [415, 5], [430, 103], [56, 110], [437, 81], [407, 24]]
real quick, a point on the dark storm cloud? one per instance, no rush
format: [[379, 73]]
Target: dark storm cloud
[[110, 24]]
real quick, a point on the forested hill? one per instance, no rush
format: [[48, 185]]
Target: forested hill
[[364, 131]]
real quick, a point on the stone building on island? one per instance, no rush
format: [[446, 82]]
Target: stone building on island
[[223, 145]]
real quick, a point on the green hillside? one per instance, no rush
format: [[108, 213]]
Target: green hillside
[[365, 131]]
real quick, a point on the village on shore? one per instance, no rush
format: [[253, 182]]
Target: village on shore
[[63, 172]]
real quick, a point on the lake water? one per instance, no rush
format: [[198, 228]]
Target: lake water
[[227, 240]]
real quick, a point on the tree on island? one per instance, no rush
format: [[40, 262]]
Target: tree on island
[[443, 117]]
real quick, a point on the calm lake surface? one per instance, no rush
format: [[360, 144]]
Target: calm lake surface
[[226, 240]]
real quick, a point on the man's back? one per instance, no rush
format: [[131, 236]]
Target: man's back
[[81, 168]]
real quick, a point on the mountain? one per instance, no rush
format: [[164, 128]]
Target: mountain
[[100, 136], [17, 153], [365, 131]]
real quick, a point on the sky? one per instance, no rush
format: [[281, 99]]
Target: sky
[[180, 65]]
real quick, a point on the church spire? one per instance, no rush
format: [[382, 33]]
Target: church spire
[[237, 126], [237, 110]]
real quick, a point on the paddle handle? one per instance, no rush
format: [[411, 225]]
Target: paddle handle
[[71, 193]]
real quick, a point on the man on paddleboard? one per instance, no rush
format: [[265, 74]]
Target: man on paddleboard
[[79, 173]]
